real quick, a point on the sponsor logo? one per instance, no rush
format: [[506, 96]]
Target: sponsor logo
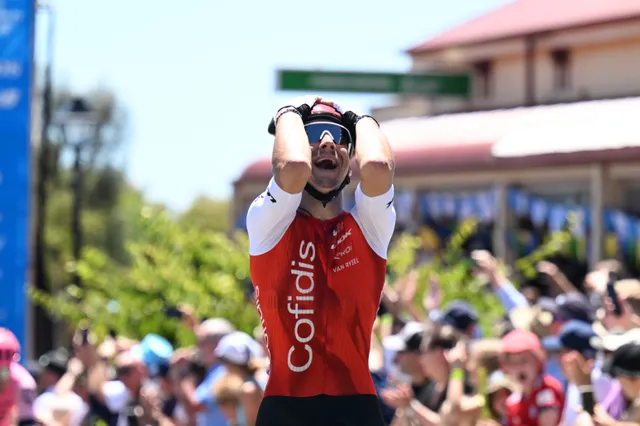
[[301, 306]]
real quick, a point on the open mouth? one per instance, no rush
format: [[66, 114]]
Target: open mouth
[[326, 163]]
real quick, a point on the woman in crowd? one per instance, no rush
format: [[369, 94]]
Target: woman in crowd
[[239, 354]]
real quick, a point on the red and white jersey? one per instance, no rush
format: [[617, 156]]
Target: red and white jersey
[[318, 287]]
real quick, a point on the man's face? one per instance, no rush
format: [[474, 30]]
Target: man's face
[[408, 361], [431, 360], [129, 370], [330, 164], [206, 348]]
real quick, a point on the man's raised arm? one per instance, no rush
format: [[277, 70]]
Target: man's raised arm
[[374, 195], [374, 158], [291, 159], [273, 211]]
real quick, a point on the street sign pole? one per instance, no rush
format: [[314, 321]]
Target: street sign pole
[[428, 84]]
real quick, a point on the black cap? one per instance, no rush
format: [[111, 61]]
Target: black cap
[[578, 336], [459, 315], [55, 361], [624, 361], [575, 306]]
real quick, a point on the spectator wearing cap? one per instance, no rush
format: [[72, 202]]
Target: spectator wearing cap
[[406, 346], [239, 353], [540, 398], [403, 349], [615, 403], [624, 365], [437, 341], [121, 395], [200, 400], [547, 318], [424, 402], [575, 306], [53, 366], [575, 343], [462, 317]]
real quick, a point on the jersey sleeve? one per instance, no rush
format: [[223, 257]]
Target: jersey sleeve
[[377, 219], [269, 216], [549, 398]]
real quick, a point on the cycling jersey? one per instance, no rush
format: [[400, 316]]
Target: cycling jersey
[[318, 286], [17, 397]]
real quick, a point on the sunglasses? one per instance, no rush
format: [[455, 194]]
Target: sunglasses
[[339, 134]]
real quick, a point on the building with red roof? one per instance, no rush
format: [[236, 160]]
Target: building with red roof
[[554, 106]]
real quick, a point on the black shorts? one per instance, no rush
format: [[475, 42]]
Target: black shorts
[[320, 410]]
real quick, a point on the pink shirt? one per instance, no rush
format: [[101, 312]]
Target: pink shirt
[[20, 392]]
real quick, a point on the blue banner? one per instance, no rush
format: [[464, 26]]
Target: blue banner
[[16, 52]]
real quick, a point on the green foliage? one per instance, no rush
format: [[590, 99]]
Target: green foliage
[[171, 264], [454, 272], [208, 215]]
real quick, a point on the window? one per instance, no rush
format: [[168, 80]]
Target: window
[[561, 59], [482, 79]]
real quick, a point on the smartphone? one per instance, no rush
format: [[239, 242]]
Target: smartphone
[[173, 312], [84, 336], [611, 292], [588, 402]]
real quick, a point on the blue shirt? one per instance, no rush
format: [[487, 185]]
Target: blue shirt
[[204, 395], [380, 382]]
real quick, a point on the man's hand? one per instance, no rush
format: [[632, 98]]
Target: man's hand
[[457, 356], [547, 268], [302, 104], [601, 417], [578, 370], [399, 397], [487, 265], [433, 297]]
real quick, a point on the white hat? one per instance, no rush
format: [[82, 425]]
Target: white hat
[[409, 338], [612, 341], [216, 326], [238, 348]]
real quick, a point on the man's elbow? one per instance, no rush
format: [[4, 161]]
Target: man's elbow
[[292, 175], [376, 167], [376, 176]]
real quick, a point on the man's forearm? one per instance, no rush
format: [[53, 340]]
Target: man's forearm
[[291, 154], [374, 158], [425, 415]]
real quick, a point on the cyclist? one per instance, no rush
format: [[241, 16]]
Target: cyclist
[[318, 271], [17, 386]]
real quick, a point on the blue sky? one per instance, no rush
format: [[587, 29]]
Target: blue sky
[[198, 76]]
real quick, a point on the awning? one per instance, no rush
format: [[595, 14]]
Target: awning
[[546, 135], [580, 127]]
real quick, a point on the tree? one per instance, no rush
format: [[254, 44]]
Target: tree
[[51, 193], [170, 264], [208, 214], [453, 270]]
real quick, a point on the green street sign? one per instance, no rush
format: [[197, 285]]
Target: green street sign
[[433, 84]]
